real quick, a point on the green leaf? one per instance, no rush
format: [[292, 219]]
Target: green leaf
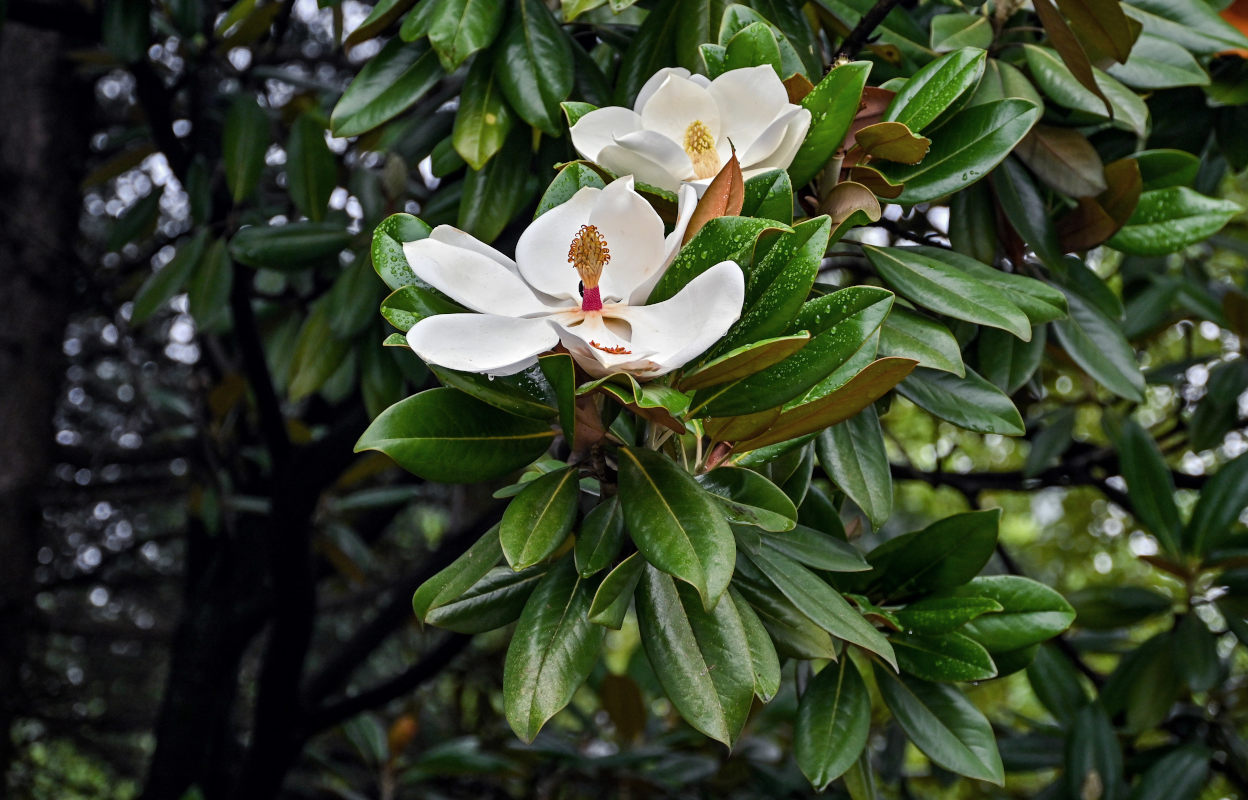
[[816, 599], [675, 524], [1191, 24], [721, 239], [702, 659], [493, 195], [943, 657], [1102, 26], [1007, 362], [841, 322], [311, 172], [1181, 774], [1149, 484], [459, 28], [521, 394], [170, 279], [910, 335], [852, 453], [1092, 754], [534, 65], [1109, 607], [1196, 654], [930, 278], [318, 353], [389, 84], [208, 295], [1158, 63], [763, 658], [1032, 612], [750, 499], [294, 246], [744, 361], [601, 537], [652, 48], [615, 593], [570, 180], [942, 556], [552, 651], [387, 249], [1026, 211], [753, 45], [484, 119], [769, 195], [446, 435], [138, 222], [970, 402], [944, 725], [964, 149], [795, 634], [126, 29], [817, 550], [560, 373], [404, 307], [1056, 684], [939, 615], [1221, 502], [970, 31], [833, 721], [497, 599], [1097, 344], [832, 105], [1167, 220], [539, 519], [246, 140], [698, 21], [459, 576], [1056, 81]]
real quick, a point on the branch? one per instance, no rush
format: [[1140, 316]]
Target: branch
[[858, 37], [428, 667]]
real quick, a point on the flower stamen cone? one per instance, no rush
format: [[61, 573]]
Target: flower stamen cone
[[700, 145], [589, 254]]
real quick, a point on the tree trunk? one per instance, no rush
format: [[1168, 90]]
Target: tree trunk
[[42, 148]]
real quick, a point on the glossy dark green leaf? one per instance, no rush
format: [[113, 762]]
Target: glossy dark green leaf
[[1026, 212], [171, 278], [560, 373], [387, 248], [701, 658], [651, 49], [833, 721], [816, 599], [1218, 411], [1181, 774], [1167, 220], [970, 402], [943, 724], [910, 335], [294, 246], [1007, 362], [483, 119], [1221, 502], [931, 278], [1108, 607], [208, 294], [461, 574], [522, 394], [943, 657], [615, 594], [493, 195], [1149, 484], [1031, 612], [721, 239], [601, 537], [1056, 684], [459, 28], [1196, 654], [534, 65], [1189, 23], [743, 361], [1055, 80], [1158, 63], [497, 599], [937, 86], [246, 140], [1093, 756], [938, 615], [1097, 345], [570, 180], [763, 657], [389, 84], [832, 106], [552, 651], [404, 307], [752, 46], [675, 524], [446, 435], [539, 519], [1161, 169], [750, 499], [311, 172], [770, 196], [795, 635], [816, 549], [852, 453], [942, 556]]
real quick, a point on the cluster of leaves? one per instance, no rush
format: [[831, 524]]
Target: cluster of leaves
[[1029, 126]]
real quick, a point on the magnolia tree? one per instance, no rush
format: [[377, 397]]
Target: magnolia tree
[[686, 286]]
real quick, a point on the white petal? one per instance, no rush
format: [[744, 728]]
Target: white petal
[[656, 80], [677, 104], [587, 338], [623, 161], [782, 156], [482, 342], [634, 235], [685, 325], [472, 278], [597, 129], [771, 138], [659, 149], [748, 100], [687, 201], [457, 238], [542, 251]]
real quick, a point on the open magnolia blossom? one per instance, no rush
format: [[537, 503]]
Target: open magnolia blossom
[[582, 272], [683, 128]]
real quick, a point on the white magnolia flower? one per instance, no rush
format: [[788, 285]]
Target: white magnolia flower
[[682, 124], [608, 241]]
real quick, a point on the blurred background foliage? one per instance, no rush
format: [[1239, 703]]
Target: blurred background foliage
[[206, 595]]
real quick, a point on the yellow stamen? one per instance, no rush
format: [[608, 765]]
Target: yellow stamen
[[617, 350], [589, 254], [700, 146]]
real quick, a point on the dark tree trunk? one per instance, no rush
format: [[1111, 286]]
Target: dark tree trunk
[[43, 143]]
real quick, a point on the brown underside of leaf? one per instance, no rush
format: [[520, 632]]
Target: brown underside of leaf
[[1098, 218], [723, 198]]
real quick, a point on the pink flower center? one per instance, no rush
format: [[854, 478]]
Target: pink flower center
[[589, 254]]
